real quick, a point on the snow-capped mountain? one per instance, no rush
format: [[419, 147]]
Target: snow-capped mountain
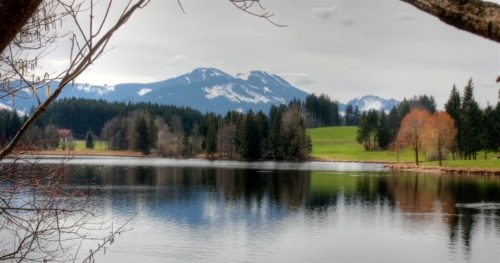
[[204, 89], [371, 102]]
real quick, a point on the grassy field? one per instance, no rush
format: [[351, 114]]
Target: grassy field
[[98, 145], [339, 143]]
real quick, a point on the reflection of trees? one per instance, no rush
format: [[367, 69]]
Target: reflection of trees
[[256, 196], [422, 193]]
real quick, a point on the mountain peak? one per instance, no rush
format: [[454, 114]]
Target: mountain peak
[[372, 102], [206, 73]]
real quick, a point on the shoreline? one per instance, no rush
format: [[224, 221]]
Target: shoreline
[[409, 167], [442, 169]]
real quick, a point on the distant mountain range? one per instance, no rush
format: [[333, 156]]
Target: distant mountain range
[[204, 89]]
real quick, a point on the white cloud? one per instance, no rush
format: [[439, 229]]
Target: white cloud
[[324, 13]]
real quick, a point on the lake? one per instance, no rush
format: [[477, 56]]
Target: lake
[[224, 211]]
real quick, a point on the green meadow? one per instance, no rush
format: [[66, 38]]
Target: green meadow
[[339, 143], [99, 145]]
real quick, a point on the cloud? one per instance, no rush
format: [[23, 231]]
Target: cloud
[[324, 13], [298, 78]]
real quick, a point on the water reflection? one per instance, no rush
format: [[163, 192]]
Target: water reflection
[[264, 214]]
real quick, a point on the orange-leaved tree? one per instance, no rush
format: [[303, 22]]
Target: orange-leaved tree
[[410, 131], [439, 134]]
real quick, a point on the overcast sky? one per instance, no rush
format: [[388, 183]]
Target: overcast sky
[[344, 48]]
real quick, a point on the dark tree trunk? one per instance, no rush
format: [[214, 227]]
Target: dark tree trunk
[[475, 16], [440, 155], [13, 16], [416, 155]]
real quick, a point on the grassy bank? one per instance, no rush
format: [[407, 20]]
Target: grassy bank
[[339, 143]]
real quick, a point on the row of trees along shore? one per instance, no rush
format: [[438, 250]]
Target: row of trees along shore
[[250, 136], [169, 130], [180, 131], [462, 130]]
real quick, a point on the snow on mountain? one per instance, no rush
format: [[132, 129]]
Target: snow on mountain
[[144, 91], [371, 102], [9, 108], [99, 90], [204, 89], [4, 107], [243, 76]]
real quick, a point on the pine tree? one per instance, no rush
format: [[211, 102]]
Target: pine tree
[[470, 124], [490, 138], [383, 131], [143, 138], [250, 148], [276, 141], [393, 124], [453, 108], [367, 130], [211, 139], [89, 140]]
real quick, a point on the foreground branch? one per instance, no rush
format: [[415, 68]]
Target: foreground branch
[[13, 16], [475, 16]]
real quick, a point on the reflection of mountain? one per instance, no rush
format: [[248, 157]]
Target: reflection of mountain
[[207, 196]]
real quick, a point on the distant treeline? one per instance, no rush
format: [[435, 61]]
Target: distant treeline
[[81, 115], [170, 130]]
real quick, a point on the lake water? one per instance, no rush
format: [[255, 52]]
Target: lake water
[[202, 211]]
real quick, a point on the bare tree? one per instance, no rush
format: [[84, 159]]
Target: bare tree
[[226, 136], [410, 132], [439, 134]]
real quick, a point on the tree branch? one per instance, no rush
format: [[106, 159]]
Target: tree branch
[[475, 16], [13, 16]]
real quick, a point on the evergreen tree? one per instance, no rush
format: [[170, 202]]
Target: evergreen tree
[[153, 131], [393, 123], [489, 136], [276, 137], [470, 124], [383, 132], [89, 140], [357, 115], [143, 136], [211, 138], [351, 115], [496, 128], [263, 132], [367, 130], [453, 108], [250, 141]]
